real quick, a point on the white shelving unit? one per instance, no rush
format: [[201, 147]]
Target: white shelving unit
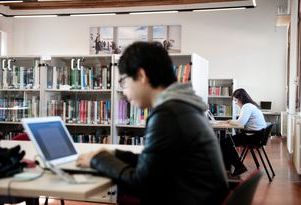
[[220, 98], [79, 89], [19, 92], [198, 76], [58, 92], [126, 123], [199, 72]]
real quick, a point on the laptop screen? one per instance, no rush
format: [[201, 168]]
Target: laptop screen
[[210, 115], [265, 105], [52, 139]]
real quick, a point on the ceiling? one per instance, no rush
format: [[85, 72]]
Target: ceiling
[[83, 4]]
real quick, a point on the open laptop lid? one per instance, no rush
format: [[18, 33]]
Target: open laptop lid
[[210, 115], [51, 139]]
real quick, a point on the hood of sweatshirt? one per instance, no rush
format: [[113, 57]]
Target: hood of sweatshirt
[[181, 92]]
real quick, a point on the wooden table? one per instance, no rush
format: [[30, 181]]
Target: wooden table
[[221, 126], [50, 184]]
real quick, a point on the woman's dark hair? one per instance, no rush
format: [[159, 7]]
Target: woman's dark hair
[[152, 58], [243, 97]]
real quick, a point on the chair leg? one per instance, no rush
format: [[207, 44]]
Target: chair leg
[[263, 163], [32, 201], [46, 200], [244, 154], [254, 158], [270, 165]]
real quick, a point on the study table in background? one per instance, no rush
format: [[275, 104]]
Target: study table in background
[[51, 185], [270, 116], [222, 124], [221, 127]]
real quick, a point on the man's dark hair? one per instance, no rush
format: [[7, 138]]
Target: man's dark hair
[[243, 96], [153, 58]]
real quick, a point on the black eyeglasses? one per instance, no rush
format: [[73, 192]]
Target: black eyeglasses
[[121, 81]]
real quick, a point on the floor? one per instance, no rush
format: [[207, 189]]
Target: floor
[[285, 189]]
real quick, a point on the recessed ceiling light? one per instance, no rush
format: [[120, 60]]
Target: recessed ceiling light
[[154, 12], [35, 16], [6, 2], [219, 9], [102, 14]]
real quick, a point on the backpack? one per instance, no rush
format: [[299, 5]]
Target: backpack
[[10, 161]]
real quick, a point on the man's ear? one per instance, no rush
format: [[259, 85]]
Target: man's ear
[[141, 75]]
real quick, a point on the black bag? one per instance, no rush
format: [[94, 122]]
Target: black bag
[[10, 161]]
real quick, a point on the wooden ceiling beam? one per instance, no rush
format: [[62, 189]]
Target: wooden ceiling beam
[[81, 4]]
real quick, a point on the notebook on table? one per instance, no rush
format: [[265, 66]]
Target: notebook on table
[[54, 143]]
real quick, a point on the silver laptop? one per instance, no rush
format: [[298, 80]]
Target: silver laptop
[[54, 143]]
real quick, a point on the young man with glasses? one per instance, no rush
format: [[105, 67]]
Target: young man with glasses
[[181, 162]]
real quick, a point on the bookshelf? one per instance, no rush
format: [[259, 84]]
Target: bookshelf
[[220, 98], [19, 92], [79, 89], [84, 91], [130, 121]]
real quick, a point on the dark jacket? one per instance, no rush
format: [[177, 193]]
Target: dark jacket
[[181, 162]]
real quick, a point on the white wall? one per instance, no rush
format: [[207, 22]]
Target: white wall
[[240, 44], [7, 34]]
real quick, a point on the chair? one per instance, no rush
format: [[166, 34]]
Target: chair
[[244, 192], [21, 137], [260, 140]]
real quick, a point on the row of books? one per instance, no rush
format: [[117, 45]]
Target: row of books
[[92, 138], [131, 140], [92, 78], [128, 114], [219, 91], [183, 72], [81, 111], [79, 138], [14, 109], [19, 78], [220, 110]]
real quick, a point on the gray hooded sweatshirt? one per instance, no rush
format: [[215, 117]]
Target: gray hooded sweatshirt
[[182, 92]]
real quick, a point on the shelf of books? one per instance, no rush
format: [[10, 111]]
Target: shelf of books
[[220, 98], [79, 90], [19, 87], [194, 69], [84, 92], [130, 120], [19, 91]]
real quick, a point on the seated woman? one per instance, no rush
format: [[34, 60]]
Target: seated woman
[[251, 118]]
